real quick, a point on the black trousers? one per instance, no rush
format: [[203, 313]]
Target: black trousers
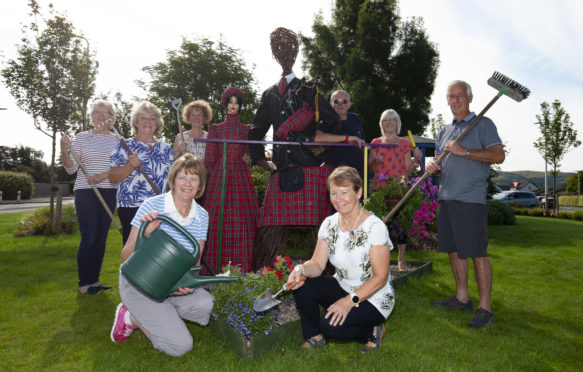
[[323, 291], [126, 215]]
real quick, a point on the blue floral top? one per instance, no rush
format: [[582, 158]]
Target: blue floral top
[[132, 191], [349, 253]]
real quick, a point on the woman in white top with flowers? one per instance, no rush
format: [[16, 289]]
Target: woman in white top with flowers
[[359, 297]]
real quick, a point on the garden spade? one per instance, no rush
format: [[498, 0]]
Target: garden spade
[[266, 300]]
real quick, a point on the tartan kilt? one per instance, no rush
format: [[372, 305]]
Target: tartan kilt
[[307, 207], [240, 216]]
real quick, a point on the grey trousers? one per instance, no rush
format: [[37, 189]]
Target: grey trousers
[[163, 320]]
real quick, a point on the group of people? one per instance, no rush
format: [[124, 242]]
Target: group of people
[[359, 297]]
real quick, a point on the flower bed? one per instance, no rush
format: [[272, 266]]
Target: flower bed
[[232, 326]]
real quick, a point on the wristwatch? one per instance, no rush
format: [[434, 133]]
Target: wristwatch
[[468, 152], [355, 299]]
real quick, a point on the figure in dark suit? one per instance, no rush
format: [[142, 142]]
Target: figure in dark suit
[[296, 194]]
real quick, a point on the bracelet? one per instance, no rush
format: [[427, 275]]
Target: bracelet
[[302, 269], [346, 139]]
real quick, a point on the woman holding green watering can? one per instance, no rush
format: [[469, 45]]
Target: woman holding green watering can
[[162, 322]]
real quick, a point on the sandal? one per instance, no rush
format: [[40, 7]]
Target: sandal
[[402, 266], [378, 334], [312, 343]]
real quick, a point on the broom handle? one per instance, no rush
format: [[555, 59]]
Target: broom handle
[[97, 193], [440, 159]]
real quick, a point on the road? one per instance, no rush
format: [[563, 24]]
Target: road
[[11, 206]]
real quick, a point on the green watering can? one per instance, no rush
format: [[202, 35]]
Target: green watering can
[[159, 264]]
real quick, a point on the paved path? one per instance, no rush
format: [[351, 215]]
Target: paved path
[[11, 206]]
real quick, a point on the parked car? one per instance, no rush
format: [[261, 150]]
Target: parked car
[[550, 200], [522, 199]]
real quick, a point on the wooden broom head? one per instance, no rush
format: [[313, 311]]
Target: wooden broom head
[[506, 85]]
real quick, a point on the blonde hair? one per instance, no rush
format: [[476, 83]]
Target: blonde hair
[[392, 113], [345, 176], [146, 107], [191, 165], [199, 104]]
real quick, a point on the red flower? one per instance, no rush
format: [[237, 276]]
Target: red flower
[[288, 260], [279, 274]]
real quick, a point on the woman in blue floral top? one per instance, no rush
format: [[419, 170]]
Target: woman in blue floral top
[[155, 156], [359, 297]]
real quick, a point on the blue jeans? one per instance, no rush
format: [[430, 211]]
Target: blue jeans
[[94, 225], [323, 291]]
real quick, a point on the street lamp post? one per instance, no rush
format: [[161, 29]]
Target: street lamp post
[[546, 199]]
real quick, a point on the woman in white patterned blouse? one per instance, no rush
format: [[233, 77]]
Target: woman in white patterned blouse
[[359, 297]]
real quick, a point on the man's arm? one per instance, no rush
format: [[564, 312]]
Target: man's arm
[[491, 155]]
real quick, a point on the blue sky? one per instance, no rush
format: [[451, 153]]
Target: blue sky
[[537, 43]]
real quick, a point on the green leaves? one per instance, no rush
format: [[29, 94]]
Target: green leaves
[[382, 61]]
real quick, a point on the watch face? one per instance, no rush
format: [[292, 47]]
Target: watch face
[[355, 299]]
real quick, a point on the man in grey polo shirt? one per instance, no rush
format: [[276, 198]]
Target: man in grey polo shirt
[[462, 215]]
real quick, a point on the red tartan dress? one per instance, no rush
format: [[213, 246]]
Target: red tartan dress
[[240, 207]]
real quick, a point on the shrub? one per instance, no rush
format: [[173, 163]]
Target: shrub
[[535, 212], [260, 179], [36, 222], [12, 182], [578, 215], [565, 215], [500, 213], [570, 201]]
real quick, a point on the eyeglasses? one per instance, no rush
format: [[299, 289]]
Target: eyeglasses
[[339, 101], [185, 180]]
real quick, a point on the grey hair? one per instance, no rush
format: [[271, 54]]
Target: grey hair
[[340, 91], [101, 103], [457, 82], [393, 113]]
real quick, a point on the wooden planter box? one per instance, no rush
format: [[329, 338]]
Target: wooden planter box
[[421, 267], [260, 344]]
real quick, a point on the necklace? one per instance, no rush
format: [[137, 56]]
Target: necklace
[[355, 222]]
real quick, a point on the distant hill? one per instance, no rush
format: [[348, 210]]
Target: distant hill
[[505, 179]]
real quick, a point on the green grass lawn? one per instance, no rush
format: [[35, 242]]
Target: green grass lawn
[[537, 301]]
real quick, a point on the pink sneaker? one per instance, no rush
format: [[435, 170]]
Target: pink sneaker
[[121, 330]]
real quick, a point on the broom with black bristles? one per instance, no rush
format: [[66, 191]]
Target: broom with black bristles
[[505, 85]]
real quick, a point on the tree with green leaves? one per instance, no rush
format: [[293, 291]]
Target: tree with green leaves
[[200, 69], [381, 60], [25, 160], [435, 125], [573, 182], [52, 78], [557, 136]]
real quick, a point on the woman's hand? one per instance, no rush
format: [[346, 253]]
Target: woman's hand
[[134, 161], [182, 291], [246, 159], [296, 276], [338, 311], [154, 222], [97, 178], [417, 155], [65, 142]]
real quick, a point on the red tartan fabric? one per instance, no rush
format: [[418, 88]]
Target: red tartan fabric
[[297, 122], [305, 207], [241, 209], [282, 85]]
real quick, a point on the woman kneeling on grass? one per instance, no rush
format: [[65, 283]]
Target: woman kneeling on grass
[[162, 321], [359, 298]]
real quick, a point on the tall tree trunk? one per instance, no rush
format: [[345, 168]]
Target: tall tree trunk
[[51, 221]]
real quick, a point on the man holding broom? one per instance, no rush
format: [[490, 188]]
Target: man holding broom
[[462, 215]]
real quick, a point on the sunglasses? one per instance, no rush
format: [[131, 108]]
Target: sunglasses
[[338, 101]]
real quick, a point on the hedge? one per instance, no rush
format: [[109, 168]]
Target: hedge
[[12, 182]]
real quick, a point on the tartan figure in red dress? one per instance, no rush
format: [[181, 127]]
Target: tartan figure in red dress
[[240, 205], [296, 194]]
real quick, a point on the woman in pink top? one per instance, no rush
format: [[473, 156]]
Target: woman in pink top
[[390, 162]]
